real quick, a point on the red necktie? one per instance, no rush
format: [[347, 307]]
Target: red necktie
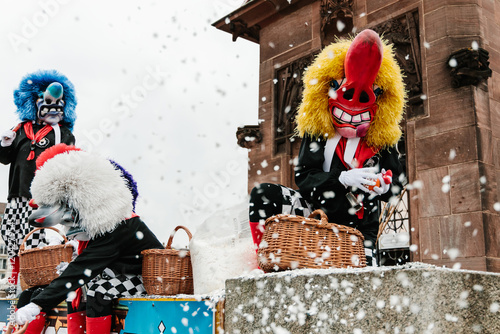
[[28, 129]]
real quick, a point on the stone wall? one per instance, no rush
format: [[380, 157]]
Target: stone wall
[[412, 299]]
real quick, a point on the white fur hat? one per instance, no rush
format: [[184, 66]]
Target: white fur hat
[[88, 183]]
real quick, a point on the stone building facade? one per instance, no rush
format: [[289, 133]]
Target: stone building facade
[[450, 53]]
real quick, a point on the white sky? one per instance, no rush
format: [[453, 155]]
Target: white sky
[[184, 88]]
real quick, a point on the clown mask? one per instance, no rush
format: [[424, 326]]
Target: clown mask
[[51, 104], [61, 213], [352, 101]]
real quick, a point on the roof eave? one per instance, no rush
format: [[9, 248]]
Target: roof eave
[[245, 21]]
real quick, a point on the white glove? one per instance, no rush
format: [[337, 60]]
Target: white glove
[[73, 243], [7, 138], [385, 183], [359, 178], [27, 313]]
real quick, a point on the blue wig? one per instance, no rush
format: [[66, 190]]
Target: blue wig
[[30, 88], [131, 184]]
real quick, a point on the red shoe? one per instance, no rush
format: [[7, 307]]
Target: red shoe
[[257, 230], [100, 325], [36, 326], [77, 322]]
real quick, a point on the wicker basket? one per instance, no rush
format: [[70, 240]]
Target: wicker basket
[[168, 271], [37, 266], [295, 242]]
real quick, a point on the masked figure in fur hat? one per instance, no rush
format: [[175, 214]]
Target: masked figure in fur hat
[[348, 119], [90, 196], [45, 102]]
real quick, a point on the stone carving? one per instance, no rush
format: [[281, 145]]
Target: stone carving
[[469, 66], [336, 19], [248, 136], [240, 28]]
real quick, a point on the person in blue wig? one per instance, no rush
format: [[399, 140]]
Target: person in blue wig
[[45, 102]]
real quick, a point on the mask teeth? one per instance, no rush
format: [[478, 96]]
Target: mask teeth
[[365, 116], [346, 118]]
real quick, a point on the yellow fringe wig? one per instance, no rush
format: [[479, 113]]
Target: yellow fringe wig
[[313, 116]]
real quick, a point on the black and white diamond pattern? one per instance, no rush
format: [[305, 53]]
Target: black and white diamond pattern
[[161, 327]]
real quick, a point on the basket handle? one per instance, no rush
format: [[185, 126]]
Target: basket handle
[[21, 248], [169, 243], [322, 214]]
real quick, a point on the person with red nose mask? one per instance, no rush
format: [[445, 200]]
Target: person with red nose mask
[[348, 161]]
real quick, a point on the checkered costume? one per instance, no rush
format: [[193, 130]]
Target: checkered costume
[[110, 266], [15, 223], [15, 226], [269, 199], [111, 285], [99, 295]]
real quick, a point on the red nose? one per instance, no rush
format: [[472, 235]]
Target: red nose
[[361, 67], [32, 204]]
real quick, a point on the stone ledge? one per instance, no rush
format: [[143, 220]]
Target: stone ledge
[[415, 298]]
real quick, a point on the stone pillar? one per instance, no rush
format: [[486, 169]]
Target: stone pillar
[[451, 149]]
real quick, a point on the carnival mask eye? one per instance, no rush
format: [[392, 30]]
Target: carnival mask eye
[[335, 84], [378, 91]]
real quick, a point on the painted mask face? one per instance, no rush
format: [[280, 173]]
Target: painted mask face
[[352, 101], [51, 215], [51, 104]]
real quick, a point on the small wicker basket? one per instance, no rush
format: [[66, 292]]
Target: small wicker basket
[[37, 266], [295, 242], [168, 271]]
